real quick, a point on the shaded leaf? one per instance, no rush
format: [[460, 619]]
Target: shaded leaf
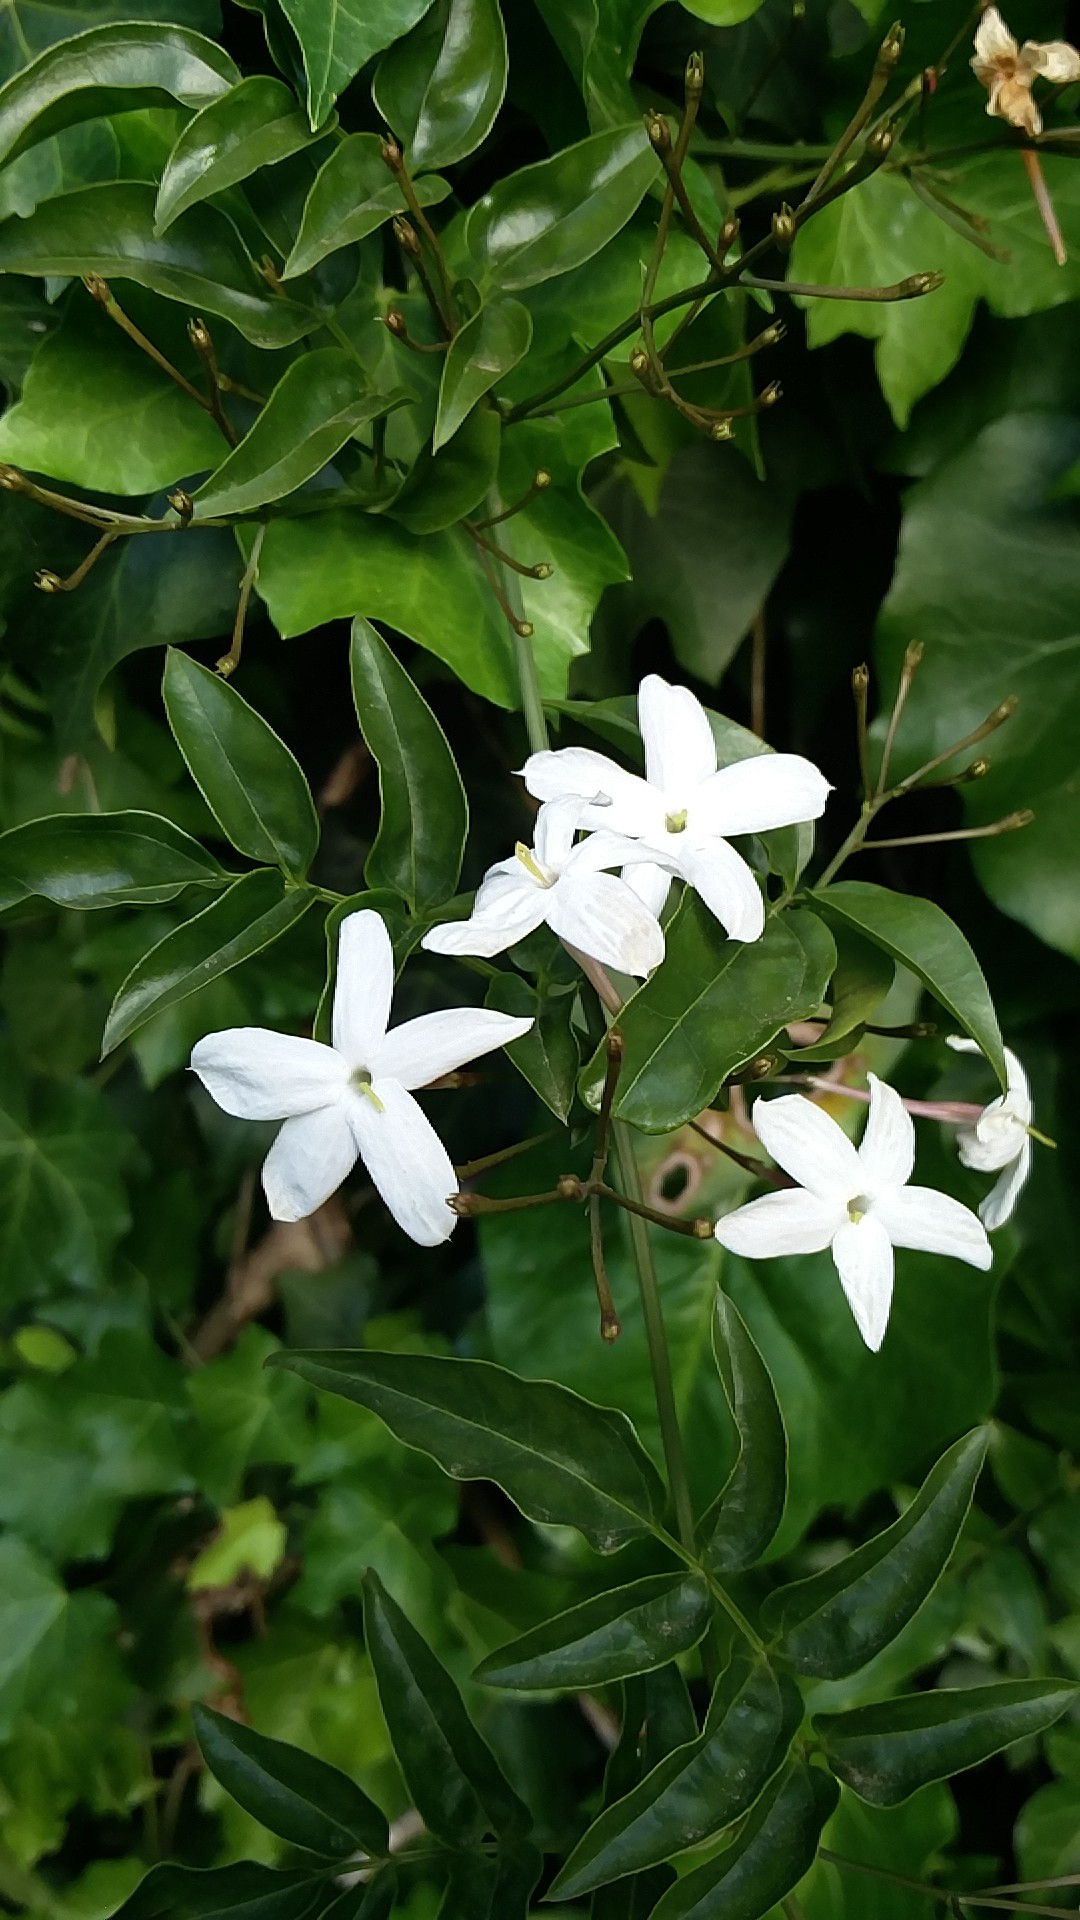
[[102, 860], [775, 1848], [296, 1795], [443, 488], [547, 1056], [63, 1205], [629, 1630], [242, 1892], [746, 1514], [888, 1751]]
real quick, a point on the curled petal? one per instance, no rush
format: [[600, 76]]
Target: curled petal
[[365, 983], [507, 909], [259, 1075], [932, 1222], [864, 1260], [778, 1224], [887, 1148], [651, 884], [556, 825], [422, 1050], [308, 1161], [616, 799], [1001, 1200], [679, 748], [993, 41], [726, 885], [408, 1164], [808, 1144], [1053, 60], [598, 914], [604, 849], [754, 796]]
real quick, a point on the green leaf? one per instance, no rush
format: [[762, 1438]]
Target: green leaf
[[456, 1784], [424, 816], [241, 1892], [252, 784], [201, 261], [864, 974], [482, 1887], [547, 1056], [442, 488], [354, 193], [556, 214], [110, 69], [41, 1628], [102, 860], [559, 1458], [629, 1630], [837, 1620], [292, 1793], [485, 349], [338, 38], [440, 88], [775, 1848], [256, 124], [63, 1204], [710, 1006], [250, 1540], [888, 1751], [746, 1514], [695, 1791], [255, 911], [921, 936]]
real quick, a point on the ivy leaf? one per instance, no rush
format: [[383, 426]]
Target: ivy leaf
[[250, 1540], [886, 1752], [747, 1513], [337, 40], [42, 1627], [481, 353], [441, 86], [256, 124], [294, 1794], [629, 1630], [775, 1848], [87, 860], [353, 194], [554, 215]]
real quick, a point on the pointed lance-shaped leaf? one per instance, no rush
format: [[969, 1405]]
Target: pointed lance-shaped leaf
[[87, 860], [886, 1752], [630, 1630], [254, 125], [245, 1891], [352, 195], [777, 1846], [293, 1794], [440, 87], [547, 1056], [558, 213], [485, 349], [745, 1516]]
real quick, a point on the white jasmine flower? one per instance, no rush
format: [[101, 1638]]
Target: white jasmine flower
[[353, 1100], [1008, 70], [684, 810], [564, 885], [856, 1202], [1000, 1139]]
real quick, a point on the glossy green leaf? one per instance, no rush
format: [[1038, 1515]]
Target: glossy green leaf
[[547, 1056], [629, 1630], [241, 1892], [775, 1848], [440, 88], [694, 1792], [201, 261], [921, 936], [338, 37], [424, 817], [864, 975], [556, 214], [318, 404], [485, 349], [252, 784], [746, 1514], [110, 69], [560, 1459], [712, 1005], [255, 911], [255, 124], [445, 487], [455, 1781], [837, 1620], [492, 1887], [102, 860], [291, 1792], [888, 1751], [354, 193]]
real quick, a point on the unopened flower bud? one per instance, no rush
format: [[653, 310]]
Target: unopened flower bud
[[783, 226], [695, 76], [182, 503], [891, 47], [199, 335], [541, 479], [49, 582], [542, 570], [880, 142], [721, 430], [395, 322], [919, 283], [390, 153], [524, 629], [658, 131]]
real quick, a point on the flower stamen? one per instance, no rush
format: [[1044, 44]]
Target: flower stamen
[[858, 1208], [676, 822], [531, 865], [361, 1083]]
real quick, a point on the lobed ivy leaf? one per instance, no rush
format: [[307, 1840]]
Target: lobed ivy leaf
[[556, 214], [88, 860], [353, 194], [629, 1630], [775, 1848], [63, 1203], [336, 40], [292, 1793], [485, 349], [256, 124], [887, 1751], [440, 87], [747, 1512]]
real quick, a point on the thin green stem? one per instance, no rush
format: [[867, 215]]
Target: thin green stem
[[532, 703]]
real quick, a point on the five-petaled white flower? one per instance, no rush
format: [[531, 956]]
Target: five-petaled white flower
[[1008, 70], [566, 886], [353, 1100], [855, 1201], [999, 1139], [684, 809]]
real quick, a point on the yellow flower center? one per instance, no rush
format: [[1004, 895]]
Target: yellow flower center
[[858, 1208], [676, 822]]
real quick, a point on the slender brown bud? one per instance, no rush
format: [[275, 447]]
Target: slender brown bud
[[762, 1067], [524, 629], [97, 288], [199, 335], [542, 570], [773, 335], [182, 503], [395, 322], [703, 1229], [721, 430], [913, 656], [730, 231], [390, 154], [891, 48], [769, 395], [49, 582], [610, 1326], [541, 479], [658, 131], [405, 235], [918, 283], [860, 679], [695, 76], [783, 226]]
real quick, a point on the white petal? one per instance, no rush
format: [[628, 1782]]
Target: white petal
[[605, 849], [887, 1148], [364, 986], [507, 913], [864, 1260], [779, 1223], [1055, 60], [753, 796], [808, 1144], [1016, 1080], [1002, 1197], [932, 1222], [556, 825], [616, 799], [727, 886], [259, 1075], [308, 1161], [993, 41], [598, 914], [679, 748], [651, 884], [422, 1050], [407, 1161]]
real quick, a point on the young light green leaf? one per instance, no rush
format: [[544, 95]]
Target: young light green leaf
[[252, 784], [560, 1459], [485, 349], [921, 936], [694, 1792], [245, 1891], [743, 1519], [837, 1620], [440, 88], [547, 1056], [775, 1848], [558, 213], [293, 1794], [886, 1752], [630, 1630], [102, 860], [424, 815], [255, 124], [110, 69], [455, 1781], [338, 39], [353, 194], [254, 912], [318, 404]]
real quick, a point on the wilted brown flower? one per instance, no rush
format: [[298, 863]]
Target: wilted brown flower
[[1008, 70]]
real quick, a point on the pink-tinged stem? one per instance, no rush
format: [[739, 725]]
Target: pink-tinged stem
[[1044, 203], [960, 1113]]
